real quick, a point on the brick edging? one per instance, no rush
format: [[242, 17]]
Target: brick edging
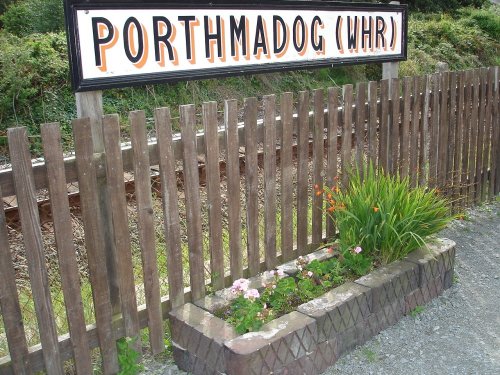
[[311, 339]]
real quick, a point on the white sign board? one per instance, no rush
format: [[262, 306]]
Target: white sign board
[[123, 43]]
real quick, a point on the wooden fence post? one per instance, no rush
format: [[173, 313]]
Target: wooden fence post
[[89, 104]]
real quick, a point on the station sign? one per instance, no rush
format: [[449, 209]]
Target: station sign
[[124, 43]]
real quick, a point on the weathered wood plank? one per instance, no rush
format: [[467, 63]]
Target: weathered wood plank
[[68, 266], [286, 156], [147, 236], [459, 137], [170, 206], [414, 132], [373, 122], [332, 172], [346, 165], [434, 136], [481, 134], [213, 194], [32, 238], [87, 183], [118, 205], [394, 134], [423, 160], [442, 155], [383, 156], [269, 104], [495, 141], [465, 179], [490, 77], [452, 132], [233, 187], [318, 156], [192, 199], [360, 124], [9, 302], [251, 178], [404, 162], [303, 171], [474, 136]]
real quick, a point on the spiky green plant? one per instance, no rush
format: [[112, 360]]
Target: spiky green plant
[[384, 216]]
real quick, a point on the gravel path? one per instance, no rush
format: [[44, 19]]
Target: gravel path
[[457, 333]]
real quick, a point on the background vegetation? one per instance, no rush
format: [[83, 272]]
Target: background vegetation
[[34, 71]]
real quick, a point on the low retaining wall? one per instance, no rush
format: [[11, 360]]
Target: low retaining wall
[[309, 340]]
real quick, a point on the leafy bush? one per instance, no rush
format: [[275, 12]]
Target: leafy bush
[[34, 16], [34, 79], [382, 215]]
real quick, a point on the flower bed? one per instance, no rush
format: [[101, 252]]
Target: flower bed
[[310, 339]]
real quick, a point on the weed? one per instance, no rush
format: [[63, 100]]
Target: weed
[[456, 279], [370, 355], [417, 310], [128, 357]]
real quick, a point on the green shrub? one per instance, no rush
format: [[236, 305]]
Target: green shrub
[[34, 75], [383, 216], [443, 5], [34, 16]]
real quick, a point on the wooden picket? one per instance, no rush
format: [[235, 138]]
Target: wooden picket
[[68, 264], [286, 156], [441, 131]]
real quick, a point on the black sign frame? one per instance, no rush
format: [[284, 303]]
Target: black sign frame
[[80, 84]]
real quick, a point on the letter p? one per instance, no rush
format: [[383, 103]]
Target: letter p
[[105, 37]]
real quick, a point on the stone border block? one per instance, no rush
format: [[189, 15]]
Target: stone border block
[[202, 335], [338, 310], [390, 283], [278, 344]]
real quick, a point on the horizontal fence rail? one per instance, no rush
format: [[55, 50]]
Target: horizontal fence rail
[[192, 212]]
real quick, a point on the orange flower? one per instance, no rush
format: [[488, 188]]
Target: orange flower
[[332, 202], [336, 189], [336, 178], [331, 209], [375, 209], [319, 192], [316, 187], [329, 196], [330, 250]]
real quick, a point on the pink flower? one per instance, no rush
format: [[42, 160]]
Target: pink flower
[[240, 286], [272, 272], [358, 249], [251, 294], [280, 273], [310, 274]]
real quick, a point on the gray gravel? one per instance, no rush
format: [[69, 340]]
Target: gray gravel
[[457, 333]]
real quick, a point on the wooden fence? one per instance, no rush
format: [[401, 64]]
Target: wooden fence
[[441, 130]]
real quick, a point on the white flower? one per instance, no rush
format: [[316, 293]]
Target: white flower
[[251, 294], [310, 274]]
